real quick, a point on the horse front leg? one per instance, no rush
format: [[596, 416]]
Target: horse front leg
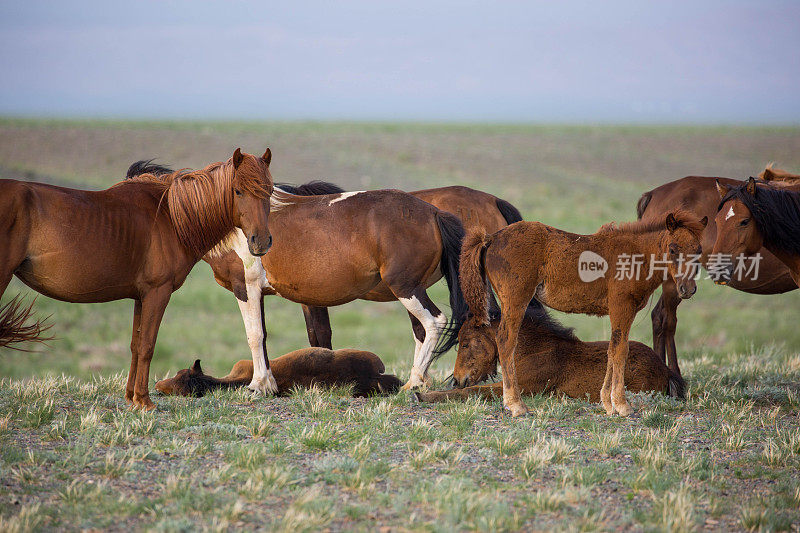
[[152, 311], [671, 300], [621, 321], [253, 316], [137, 330]]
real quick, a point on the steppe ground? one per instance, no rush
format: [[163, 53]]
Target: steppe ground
[[74, 457]]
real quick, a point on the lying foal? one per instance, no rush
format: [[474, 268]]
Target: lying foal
[[549, 359], [301, 368]]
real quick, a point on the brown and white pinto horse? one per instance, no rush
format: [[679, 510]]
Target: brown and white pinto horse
[[138, 239], [476, 210], [698, 195], [530, 259], [752, 217], [332, 249]]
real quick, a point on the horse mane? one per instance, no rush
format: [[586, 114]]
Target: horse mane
[[537, 315], [770, 173], [200, 202], [776, 213], [312, 188], [685, 219], [146, 166]]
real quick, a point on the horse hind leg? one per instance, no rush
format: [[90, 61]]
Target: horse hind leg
[[318, 327], [433, 321]]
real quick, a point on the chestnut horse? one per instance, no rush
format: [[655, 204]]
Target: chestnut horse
[[138, 239], [530, 259], [475, 209], [698, 195], [750, 218], [549, 358], [302, 368], [332, 249]]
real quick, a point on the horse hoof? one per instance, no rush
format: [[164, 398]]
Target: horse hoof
[[624, 410], [145, 404], [518, 410], [265, 386]]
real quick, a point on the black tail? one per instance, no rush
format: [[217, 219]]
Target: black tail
[[509, 212], [146, 166], [13, 327], [452, 233], [676, 387], [312, 188], [642, 204]]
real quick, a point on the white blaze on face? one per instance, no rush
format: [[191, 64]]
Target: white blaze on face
[[344, 196], [730, 213]]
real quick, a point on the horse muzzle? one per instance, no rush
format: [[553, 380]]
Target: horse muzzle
[[256, 248]]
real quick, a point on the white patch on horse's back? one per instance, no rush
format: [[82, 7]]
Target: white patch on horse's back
[[344, 196], [730, 213]]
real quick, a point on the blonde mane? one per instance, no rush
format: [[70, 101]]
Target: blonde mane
[[201, 205]]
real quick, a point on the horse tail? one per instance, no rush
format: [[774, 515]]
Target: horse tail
[[509, 212], [676, 386], [452, 233], [642, 204], [473, 274], [13, 327]]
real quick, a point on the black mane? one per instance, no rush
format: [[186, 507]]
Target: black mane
[[146, 166], [312, 188], [776, 213], [538, 315]]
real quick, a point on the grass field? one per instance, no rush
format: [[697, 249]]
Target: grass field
[[74, 457]]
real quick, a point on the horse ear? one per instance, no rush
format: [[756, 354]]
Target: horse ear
[[196, 369], [751, 186], [722, 189], [267, 157], [237, 158], [704, 221], [672, 223]]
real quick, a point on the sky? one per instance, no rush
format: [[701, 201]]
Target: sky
[[572, 61]]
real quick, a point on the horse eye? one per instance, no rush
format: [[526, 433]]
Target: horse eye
[[237, 192], [744, 222]]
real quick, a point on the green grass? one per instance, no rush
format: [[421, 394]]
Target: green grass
[[72, 455]]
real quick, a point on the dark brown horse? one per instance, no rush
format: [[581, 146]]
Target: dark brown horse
[[549, 358], [332, 249], [138, 240], [302, 368], [698, 195], [530, 259], [476, 210], [753, 217]]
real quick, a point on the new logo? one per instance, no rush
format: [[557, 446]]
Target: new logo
[[591, 266]]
